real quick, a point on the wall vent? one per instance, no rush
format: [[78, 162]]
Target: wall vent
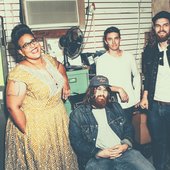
[[50, 14]]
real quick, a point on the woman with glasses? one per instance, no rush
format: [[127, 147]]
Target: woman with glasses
[[37, 128]]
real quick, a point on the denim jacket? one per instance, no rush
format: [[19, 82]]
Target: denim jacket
[[83, 129], [151, 60]]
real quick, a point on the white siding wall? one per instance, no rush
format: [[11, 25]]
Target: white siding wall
[[132, 17], [9, 10]]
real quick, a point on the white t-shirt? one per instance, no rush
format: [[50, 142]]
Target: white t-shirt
[[122, 72], [106, 137], [162, 92]]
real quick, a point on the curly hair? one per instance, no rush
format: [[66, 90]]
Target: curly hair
[[17, 32]]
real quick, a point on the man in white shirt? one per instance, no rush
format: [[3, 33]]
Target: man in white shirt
[[120, 68]]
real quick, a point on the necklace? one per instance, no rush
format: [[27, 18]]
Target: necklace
[[43, 66], [55, 81]]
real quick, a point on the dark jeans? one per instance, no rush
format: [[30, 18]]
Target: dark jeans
[[130, 160], [159, 125]]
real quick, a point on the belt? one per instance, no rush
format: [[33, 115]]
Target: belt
[[162, 103]]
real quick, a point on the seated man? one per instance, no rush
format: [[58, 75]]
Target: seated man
[[100, 134]]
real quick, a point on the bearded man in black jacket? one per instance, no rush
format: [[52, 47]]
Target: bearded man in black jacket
[[100, 133], [156, 96]]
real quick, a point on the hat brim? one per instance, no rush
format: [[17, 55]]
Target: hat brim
[[97, 85], [163, 14]]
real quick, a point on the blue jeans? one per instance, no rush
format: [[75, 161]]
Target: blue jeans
[[159, 125], [129, 160]]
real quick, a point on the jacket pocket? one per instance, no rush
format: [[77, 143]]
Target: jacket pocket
[[88, 132], [117, 124]]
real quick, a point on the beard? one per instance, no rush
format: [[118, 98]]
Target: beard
[[99, 102], [163, 38]]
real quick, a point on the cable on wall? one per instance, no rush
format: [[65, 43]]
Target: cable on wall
[[87, 13], [139, 39], [138, 35], [92, 23]]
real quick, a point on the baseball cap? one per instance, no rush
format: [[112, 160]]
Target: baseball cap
[[99, 80], [162, 14]]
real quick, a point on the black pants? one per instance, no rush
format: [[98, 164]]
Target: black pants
[[159, 125]]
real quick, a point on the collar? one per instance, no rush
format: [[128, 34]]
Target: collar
[[161, 49]]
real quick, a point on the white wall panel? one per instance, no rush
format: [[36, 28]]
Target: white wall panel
[[10, 13], [132, 17]]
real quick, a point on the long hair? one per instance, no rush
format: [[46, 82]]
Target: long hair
[[152, 38], [90, 96]]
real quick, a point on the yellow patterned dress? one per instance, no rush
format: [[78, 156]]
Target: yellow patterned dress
[[46, 144]]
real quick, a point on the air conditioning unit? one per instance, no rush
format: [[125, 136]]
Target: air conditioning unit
[[50, 14]]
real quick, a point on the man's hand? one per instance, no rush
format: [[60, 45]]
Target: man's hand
[[118, 150], [113, 152], [144, 103], [109, 153], [123, 95]]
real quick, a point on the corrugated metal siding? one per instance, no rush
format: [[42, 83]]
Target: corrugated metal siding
[[10, 13], [132, 17]]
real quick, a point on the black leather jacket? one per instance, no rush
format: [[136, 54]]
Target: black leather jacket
[[151, 59], [83, 130]]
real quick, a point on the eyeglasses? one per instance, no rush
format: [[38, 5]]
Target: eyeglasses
[[28, 45]]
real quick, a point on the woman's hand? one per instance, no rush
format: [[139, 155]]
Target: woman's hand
[[66, 91], [66, 87]]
